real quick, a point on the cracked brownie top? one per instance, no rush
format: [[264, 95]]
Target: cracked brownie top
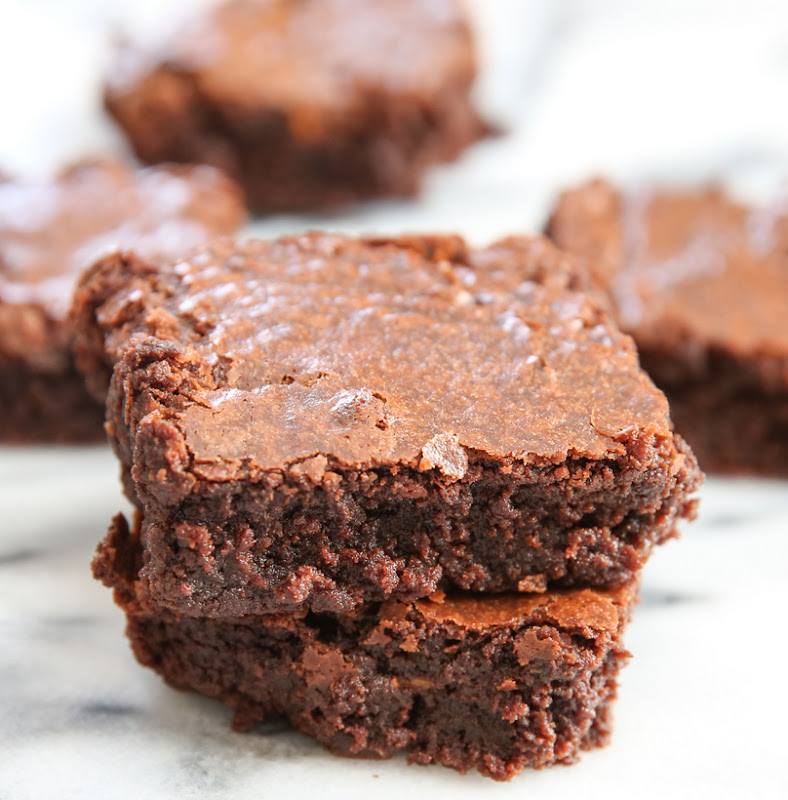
[[322, 349]]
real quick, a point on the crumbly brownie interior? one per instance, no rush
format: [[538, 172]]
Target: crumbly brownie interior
[[491, 683], [240, 548]]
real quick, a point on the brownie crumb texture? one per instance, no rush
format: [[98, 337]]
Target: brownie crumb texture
[[321, 421], [398, 491], [493, 683]]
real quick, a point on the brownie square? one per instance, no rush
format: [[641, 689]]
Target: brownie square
[[49, 232], [701, 283], [494, 683], [329, 421], [307, 103]]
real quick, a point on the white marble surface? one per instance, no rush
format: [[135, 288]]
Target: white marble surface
[[682, 91]]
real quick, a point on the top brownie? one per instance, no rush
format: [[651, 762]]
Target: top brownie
[[328, 420], [307, 103], [701, 283]]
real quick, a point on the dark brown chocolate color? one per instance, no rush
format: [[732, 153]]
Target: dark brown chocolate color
[[49, 233], [701, 282], [493, 683], [307, 103], [326, 421]]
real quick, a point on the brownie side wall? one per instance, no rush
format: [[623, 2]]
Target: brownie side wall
[[383, 150], [746, 436], [38, 407], [498, 700], [245, 548]]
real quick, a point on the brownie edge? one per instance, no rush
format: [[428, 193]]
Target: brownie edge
[[495, 683], [51, 230]]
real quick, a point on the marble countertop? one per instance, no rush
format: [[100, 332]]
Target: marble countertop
[[677, 91]]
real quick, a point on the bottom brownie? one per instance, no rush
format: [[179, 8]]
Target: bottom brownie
[[496, 682]]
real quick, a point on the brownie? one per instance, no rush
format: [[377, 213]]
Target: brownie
[[49, 232], [701, 283], [326, 421], [307, 103], [494, 683]]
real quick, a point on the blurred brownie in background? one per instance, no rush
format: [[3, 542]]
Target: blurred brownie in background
[[307, 103], [701, 282], [49, 232]]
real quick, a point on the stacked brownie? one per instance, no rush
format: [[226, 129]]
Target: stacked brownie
[[398, 491], [700, 281], [50, 231]]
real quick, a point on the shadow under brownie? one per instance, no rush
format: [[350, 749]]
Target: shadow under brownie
[[701, 283], [494, 683], [307, 104], [52, 230], [322, 421]]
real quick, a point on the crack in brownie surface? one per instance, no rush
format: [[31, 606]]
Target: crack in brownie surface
[[325, 420]]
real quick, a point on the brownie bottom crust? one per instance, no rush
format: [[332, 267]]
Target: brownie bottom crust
[[494, 683]]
